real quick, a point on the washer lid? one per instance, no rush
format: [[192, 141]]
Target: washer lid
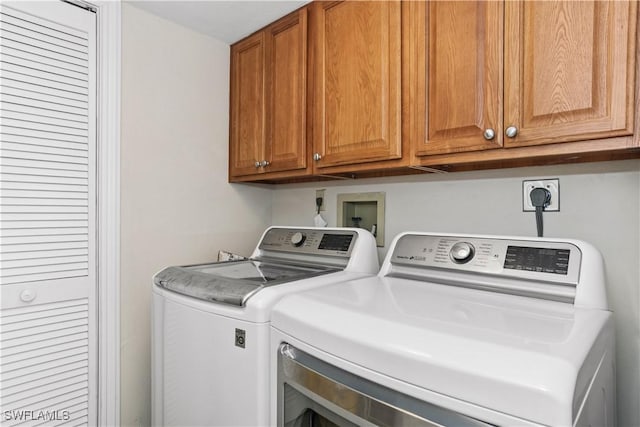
[[522, 356], [232, 282]]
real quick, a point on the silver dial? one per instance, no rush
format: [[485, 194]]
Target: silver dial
[[298, 238], [462, 252]]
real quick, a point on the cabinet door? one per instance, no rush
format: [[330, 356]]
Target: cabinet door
[[287, 83], [569, 70], [248, 104], [357, 87], [458, 78]]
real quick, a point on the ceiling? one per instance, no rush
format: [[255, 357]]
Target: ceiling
[[226, 20]]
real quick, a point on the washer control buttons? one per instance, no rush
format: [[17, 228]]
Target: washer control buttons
[[462, 252], [298, 239]]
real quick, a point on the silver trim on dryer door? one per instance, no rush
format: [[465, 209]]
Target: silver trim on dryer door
[[354, 399]]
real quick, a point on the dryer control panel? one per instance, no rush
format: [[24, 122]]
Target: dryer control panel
[[539, 260]]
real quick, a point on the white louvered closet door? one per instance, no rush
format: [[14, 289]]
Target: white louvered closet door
[[48, 358]]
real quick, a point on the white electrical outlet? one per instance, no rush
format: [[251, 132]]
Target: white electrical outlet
[[553, 185]]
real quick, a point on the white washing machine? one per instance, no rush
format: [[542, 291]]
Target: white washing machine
[[454, 331], [210, 338]]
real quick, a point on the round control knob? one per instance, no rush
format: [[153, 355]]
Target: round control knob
[[298, 239], [461, 252]]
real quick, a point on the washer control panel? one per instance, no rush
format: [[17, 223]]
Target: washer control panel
[[309, 241], [532, 259]]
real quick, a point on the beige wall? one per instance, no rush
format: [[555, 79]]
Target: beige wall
[[176, 205], [599, 202]]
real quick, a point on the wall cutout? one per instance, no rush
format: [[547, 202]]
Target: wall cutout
[[363, 210]]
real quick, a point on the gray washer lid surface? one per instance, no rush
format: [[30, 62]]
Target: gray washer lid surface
[[232, 282]]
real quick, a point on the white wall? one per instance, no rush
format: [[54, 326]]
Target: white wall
[[176, 205], [599, 202]]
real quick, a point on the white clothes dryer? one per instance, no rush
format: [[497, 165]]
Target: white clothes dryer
[[455, 330], [210, 338]]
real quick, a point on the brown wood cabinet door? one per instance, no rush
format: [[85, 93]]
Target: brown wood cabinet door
[[248, 102], [569, 70], [357, 88], [286, 147], [458, 75]]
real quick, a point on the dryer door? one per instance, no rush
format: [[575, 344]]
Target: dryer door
[[312, 392]]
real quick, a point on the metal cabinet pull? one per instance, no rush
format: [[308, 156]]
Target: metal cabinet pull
[[317, 156], [265, 163], [511, 131], [489, 134]]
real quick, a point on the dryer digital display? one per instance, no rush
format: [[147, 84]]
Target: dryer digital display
[[544, 260]]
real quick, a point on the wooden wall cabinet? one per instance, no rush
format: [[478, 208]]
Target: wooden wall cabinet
[[247, 106], [392, 87], [356, 85], [569, 70], [458, 75], [268, 131], [548, 72]]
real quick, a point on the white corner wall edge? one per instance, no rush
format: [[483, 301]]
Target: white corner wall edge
[[108, 153]]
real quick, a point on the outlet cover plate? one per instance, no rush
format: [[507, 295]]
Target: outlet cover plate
[[553, 185]]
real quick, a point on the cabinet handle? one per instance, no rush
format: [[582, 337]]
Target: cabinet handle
[[511, 131], [489, 134], [257, 164], [265, 163], [317, 156]]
